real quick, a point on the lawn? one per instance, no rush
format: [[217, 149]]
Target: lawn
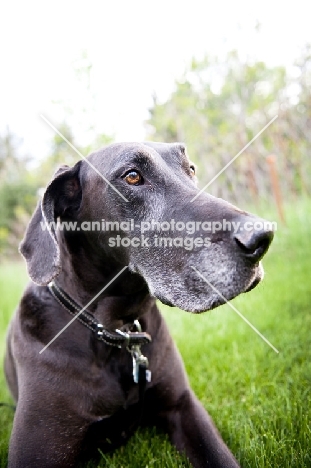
[[259, 400]]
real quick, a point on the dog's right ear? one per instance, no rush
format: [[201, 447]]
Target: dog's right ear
[[40, 246]]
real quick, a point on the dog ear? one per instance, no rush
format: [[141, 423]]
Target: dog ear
[[40, 246]]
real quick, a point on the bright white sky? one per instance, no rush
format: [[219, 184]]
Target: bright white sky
[[137, 48]]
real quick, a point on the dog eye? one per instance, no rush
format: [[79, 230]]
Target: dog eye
[[133, 178], [192, 170]]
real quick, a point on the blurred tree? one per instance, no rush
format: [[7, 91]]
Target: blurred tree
[[19, 187], [297, 138], [9, 160], [17, 193], [219, 106], [60, 153]]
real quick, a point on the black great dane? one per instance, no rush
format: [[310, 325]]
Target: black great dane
[[115, 366]]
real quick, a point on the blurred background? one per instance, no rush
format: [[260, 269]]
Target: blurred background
[[210, 74]]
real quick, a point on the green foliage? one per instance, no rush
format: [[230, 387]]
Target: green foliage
[[219, 106], [17, 202], [18, 191]]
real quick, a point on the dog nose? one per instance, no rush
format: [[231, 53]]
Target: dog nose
[[254, 243]]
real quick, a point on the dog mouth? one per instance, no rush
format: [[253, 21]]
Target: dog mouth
[[215, 300], [164, 301], [191, 293], [220, 300]]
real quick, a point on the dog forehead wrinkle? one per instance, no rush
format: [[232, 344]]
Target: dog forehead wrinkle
[[120, 156], [143, 159], [171, 152], [109, 153]]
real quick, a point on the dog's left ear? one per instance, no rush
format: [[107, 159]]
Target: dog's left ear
[[40, 245]]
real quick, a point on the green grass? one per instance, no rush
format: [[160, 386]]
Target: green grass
[[12, 280], [259, 400]]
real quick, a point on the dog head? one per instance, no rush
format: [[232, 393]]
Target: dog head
[[193, 250]]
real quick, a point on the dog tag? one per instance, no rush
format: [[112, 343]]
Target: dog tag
[[140, 366]]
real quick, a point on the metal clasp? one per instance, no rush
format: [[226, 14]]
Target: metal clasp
[[125, 335], [140, 363], [137, 325]]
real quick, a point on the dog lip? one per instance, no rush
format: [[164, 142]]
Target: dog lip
[[253, 284], [164, 300]]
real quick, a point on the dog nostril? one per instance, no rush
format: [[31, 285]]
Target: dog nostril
[[254, 244]]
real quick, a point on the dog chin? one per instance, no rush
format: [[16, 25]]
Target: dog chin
[[214, 300]]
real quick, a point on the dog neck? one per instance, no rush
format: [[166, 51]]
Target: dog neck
[[84, 274]]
